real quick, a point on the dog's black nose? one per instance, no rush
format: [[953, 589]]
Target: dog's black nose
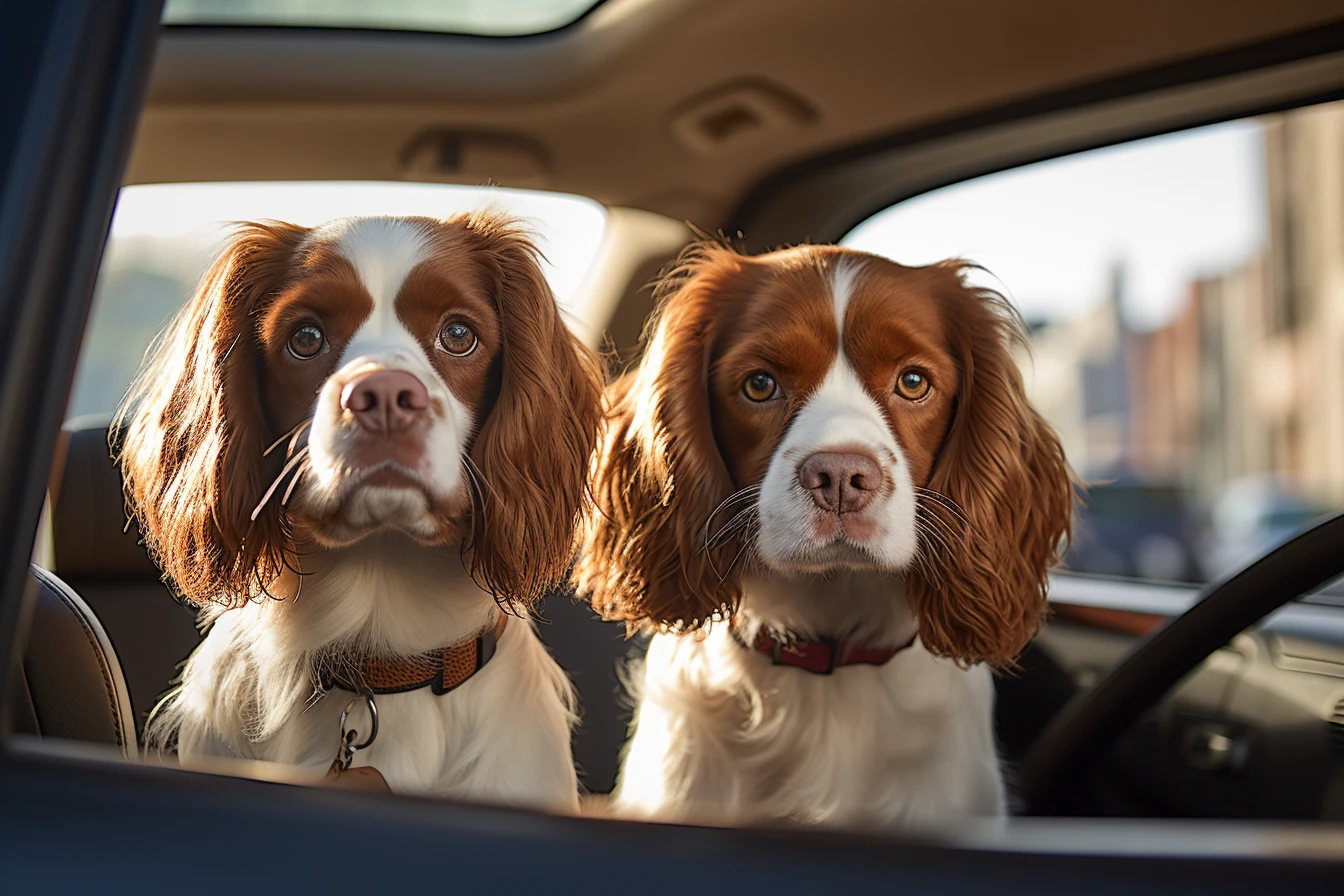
[[840, 482]]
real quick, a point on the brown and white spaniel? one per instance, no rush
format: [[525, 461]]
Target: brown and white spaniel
[[824, 489], [362, 449]]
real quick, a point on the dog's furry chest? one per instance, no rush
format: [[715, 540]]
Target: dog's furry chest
[[722, 735], [502, 736]]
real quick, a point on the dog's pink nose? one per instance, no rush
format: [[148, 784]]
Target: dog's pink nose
[[841, 482], [385, 401]]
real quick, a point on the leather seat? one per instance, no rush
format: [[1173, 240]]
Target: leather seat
[[102, 558], [71, 685]]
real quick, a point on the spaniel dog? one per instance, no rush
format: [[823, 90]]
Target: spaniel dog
[[824, 490], [362, 449]]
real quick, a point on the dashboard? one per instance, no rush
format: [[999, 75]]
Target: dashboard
[[1256, 731]]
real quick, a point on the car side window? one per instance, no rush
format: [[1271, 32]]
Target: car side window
[[1184, 298], [164, 236]]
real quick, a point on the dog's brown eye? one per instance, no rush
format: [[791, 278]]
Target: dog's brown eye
[[456, 339], [912, 385], [306, 342], [760, 386]]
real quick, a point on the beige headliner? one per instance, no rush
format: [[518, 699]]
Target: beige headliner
[[593, 104]]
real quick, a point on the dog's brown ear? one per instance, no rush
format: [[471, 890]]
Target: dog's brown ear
[[533, 449], [192, 436], [658, 474], [980, 587]]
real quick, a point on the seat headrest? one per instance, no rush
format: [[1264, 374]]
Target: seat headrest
[[90, 536]]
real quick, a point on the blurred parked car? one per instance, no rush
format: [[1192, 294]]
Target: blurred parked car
[[1249, 517], [1138, 529]]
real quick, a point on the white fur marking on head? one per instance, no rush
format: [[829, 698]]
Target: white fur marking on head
[[843, 275], [383, 251]]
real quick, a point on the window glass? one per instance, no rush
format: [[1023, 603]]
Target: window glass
[[493, 17], [1185, 301], [164, 236]]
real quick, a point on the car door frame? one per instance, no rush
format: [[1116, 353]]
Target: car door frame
[[73, 79]]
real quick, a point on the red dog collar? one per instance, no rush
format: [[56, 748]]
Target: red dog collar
[[820, 657]]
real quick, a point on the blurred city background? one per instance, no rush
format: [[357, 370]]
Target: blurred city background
[[1221, 431], [1196, 375], [1183, 296]]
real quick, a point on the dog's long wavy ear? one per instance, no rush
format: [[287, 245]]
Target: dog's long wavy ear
[[189, 435], [658, 475], [532, 451], [980, 587]]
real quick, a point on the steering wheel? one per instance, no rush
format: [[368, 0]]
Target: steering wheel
[[1082, 732]]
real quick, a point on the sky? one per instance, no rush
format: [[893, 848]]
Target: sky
[[1170, 208]]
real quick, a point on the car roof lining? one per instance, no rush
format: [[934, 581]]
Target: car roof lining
[[601, 100]]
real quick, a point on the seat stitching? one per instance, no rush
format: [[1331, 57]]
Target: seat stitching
[[108, 686]]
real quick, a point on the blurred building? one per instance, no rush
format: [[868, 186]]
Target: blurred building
[[1304, 156], [1202, 403], [1247, 379], [1077, 375]]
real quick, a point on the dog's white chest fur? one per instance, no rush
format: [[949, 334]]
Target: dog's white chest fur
[[501, 736], [724, 736]]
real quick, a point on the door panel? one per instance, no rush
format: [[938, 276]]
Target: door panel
[[75, 73]]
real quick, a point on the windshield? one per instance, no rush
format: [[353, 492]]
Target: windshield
[[1183, 296]]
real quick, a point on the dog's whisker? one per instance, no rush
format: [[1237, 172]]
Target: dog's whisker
[[299, 433], [941, 508], [742, 494], [940, 512], [735, 521], [291, 435], [288, 468], [931, 543], [932, 493], [950, 536], [303, 468], [943, 500], [735, 524], [746, 543], [709, 555], [476, 482], [932, 505], [477, 494], [728, 536], [474, 470], [749, 530], [935, 533], [934, 518]]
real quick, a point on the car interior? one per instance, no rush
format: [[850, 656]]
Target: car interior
[[774, 123]]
